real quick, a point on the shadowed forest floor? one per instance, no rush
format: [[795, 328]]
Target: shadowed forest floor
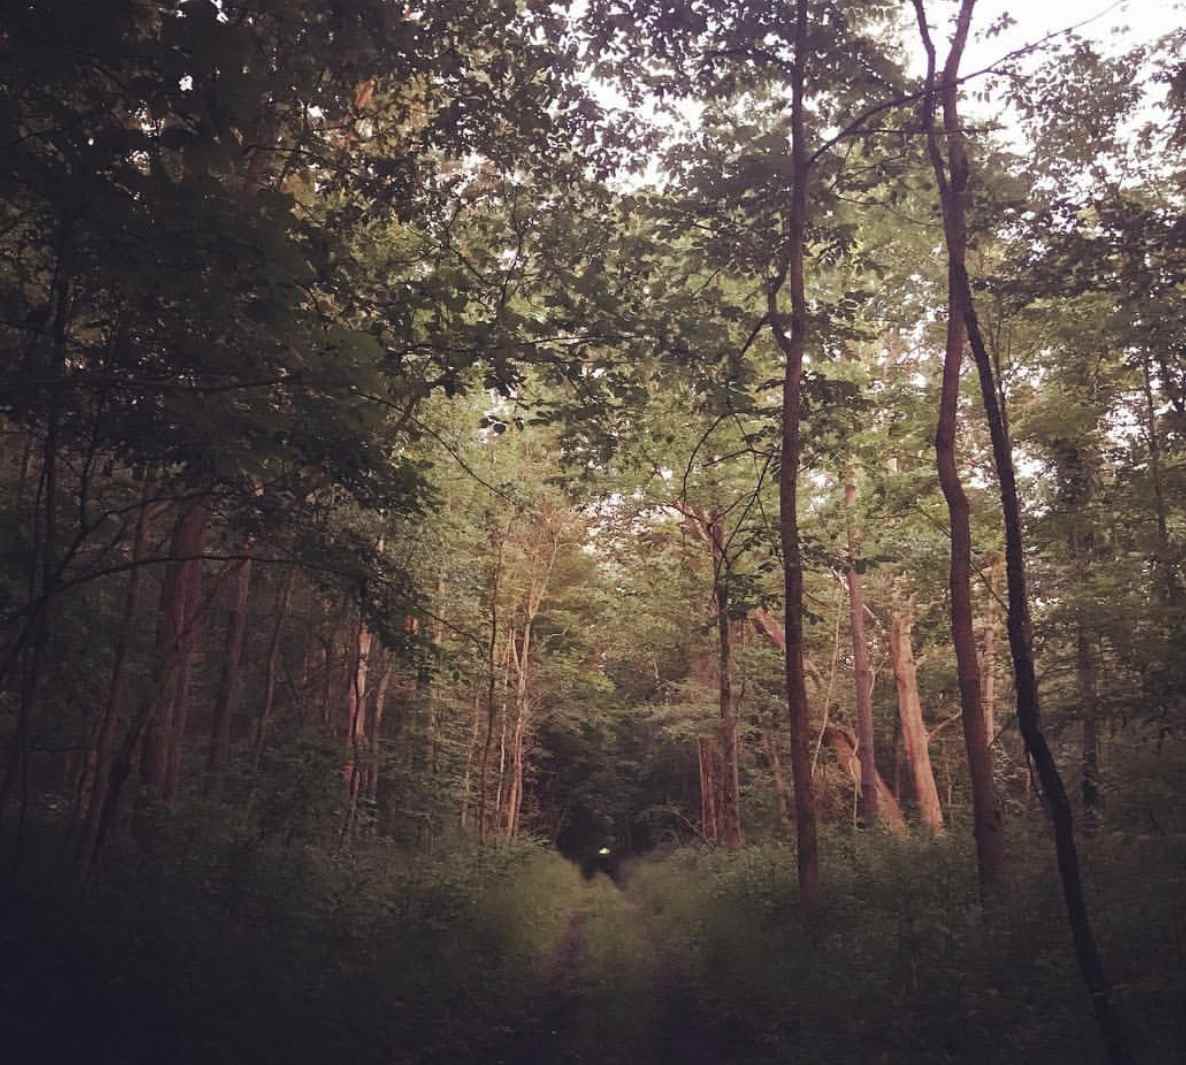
[[507, 955]]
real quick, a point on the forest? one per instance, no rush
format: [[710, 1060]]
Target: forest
[[549, 532]]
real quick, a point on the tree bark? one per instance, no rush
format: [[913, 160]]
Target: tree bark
[[914, 732], [990, 852], [866, 751]]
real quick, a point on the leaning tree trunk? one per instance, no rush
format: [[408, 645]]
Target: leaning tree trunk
[[844, 742], [986, 820], [953, 195]]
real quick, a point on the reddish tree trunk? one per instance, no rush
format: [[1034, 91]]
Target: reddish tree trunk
[[914, 732], [844, 742]]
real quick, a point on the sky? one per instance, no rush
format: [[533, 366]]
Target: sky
[[1113, 25], [1146, 19]]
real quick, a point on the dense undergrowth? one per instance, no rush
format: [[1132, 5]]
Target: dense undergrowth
[[234, 954], [240, 953]]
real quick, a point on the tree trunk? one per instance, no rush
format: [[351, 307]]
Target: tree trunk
[[97, 769], [1089, 708], [844, 742], [378, 712], [988, 673], [793, 348], [1020, 633], [866, 751], [498, 544], [356, 722], [990, 852], [227, 702], [195, 616], [471, 751], [914, 733], [178, 612], [264, 721], [706, 749], [781, 792], [730, 807]]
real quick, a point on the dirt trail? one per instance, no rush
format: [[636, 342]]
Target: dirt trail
[[598, 1007]]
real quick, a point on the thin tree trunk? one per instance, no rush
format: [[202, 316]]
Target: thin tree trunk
[[1089, 708], [866, 751], [491, 679], [1110, 1024], [471, 750], [97, 769], [192, 575], [177, 612], [988, 671], [356, 718], [914, 733], [227, 702], [781, 791], [1165, 562], [793, 348], [264, 721], [730, 807], [990, 850], [378, 712], [709, 823]]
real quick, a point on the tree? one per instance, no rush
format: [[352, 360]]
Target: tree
[[951, 174]]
